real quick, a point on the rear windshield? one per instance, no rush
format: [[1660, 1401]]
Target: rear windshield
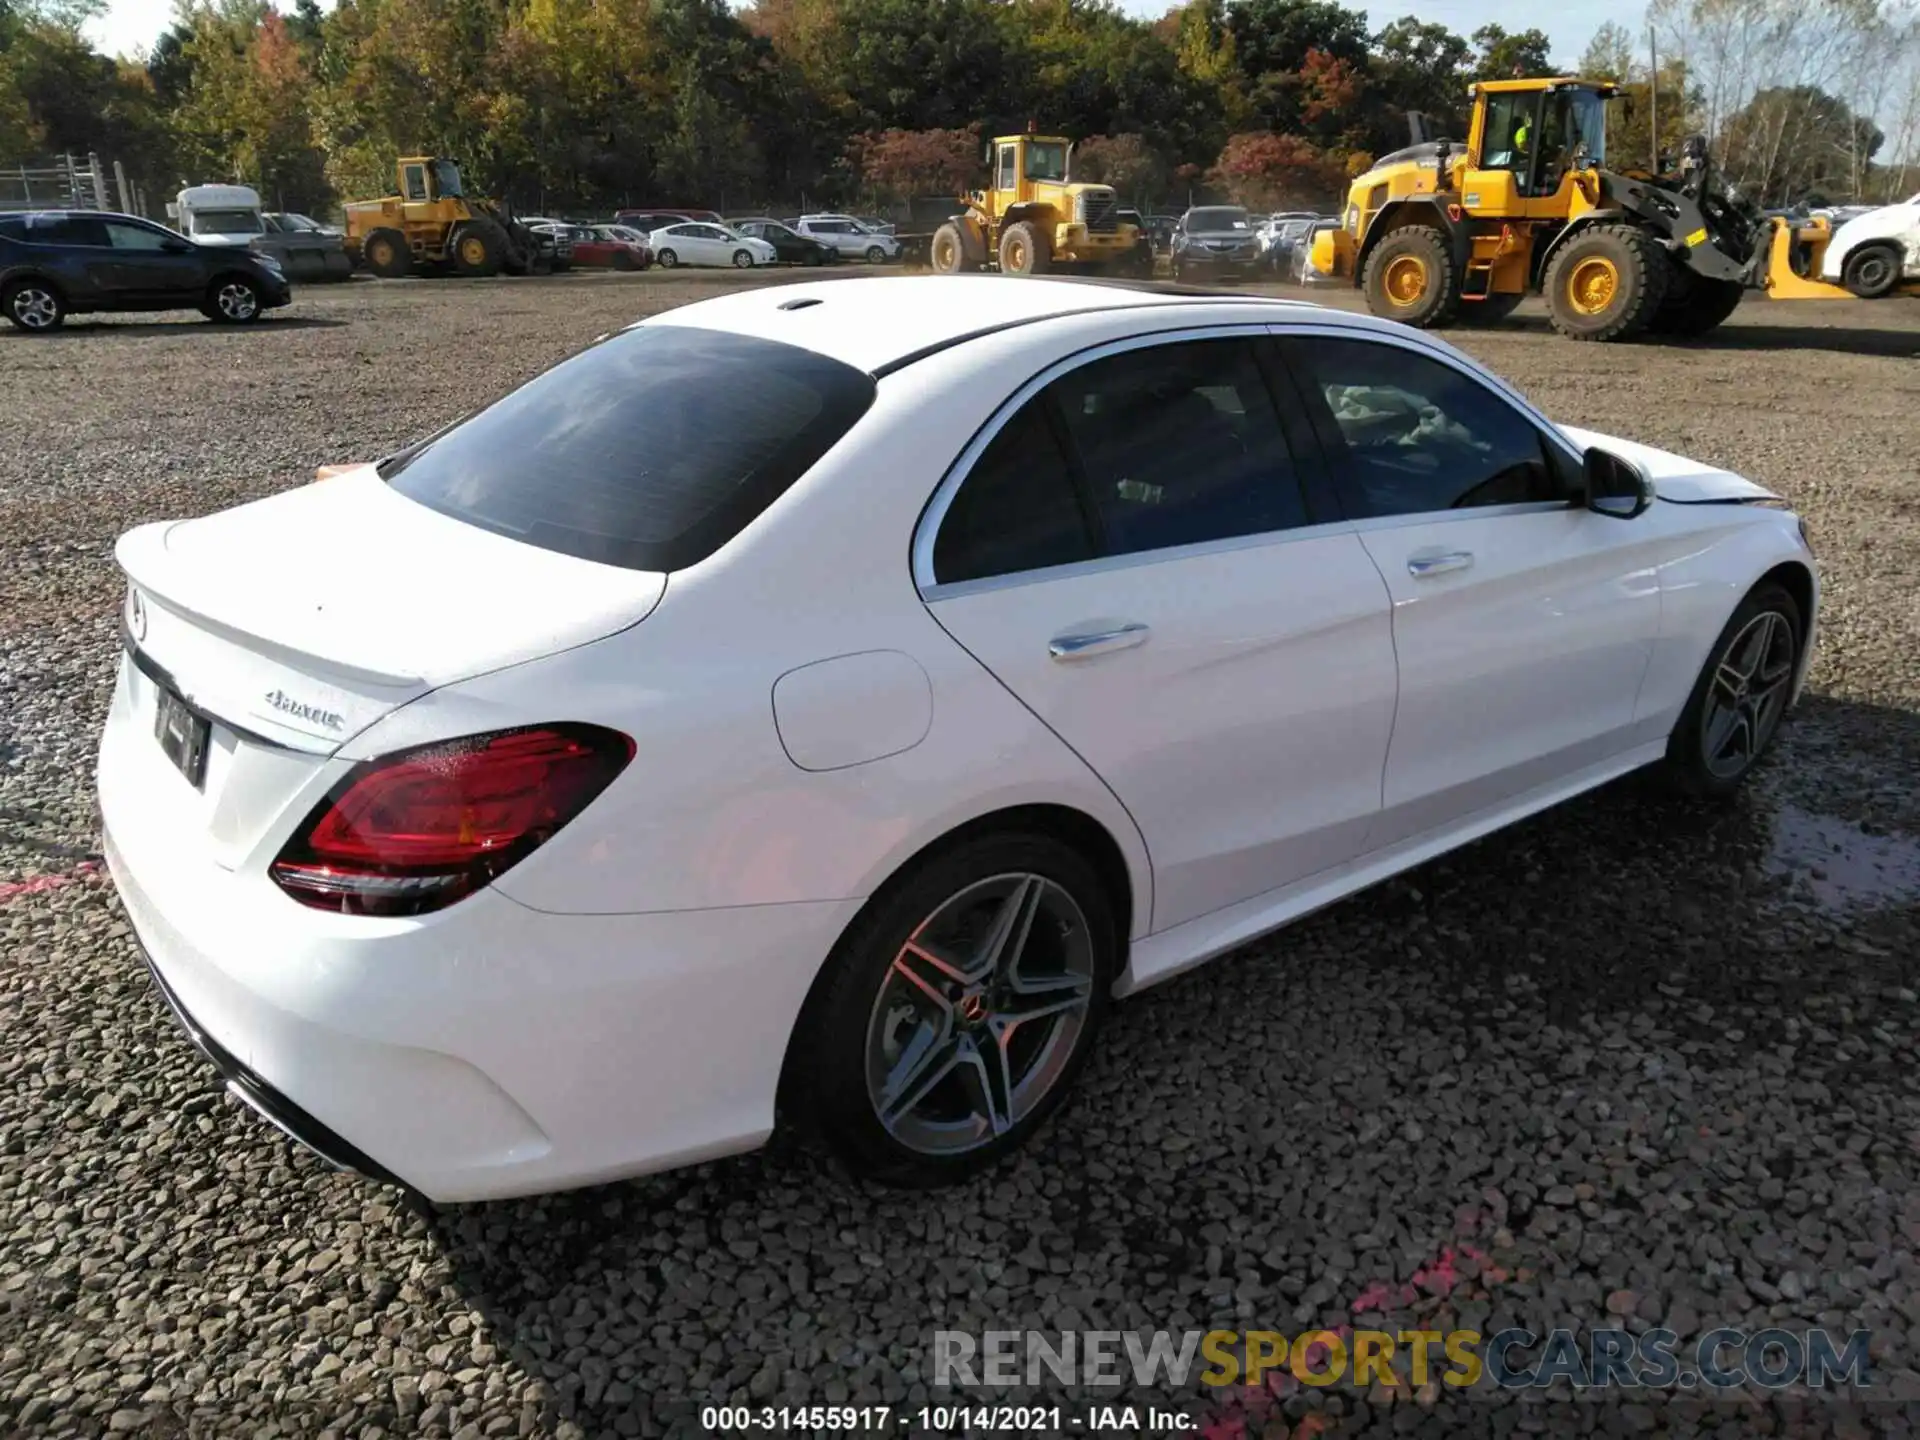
[[649, 450]]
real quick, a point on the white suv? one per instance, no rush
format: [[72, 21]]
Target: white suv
[[849, 237]]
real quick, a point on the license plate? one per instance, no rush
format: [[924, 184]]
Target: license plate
[[183, 735]]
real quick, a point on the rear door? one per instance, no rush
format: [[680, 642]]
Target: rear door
[[1523, 621], [1131, 551]]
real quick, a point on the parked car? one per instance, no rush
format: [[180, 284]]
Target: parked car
[[553, 241], [293, 220], [305, 250], [1144, 255], [789, 246], [56, 263], [847, 235], [1872, 253], [700, 785], [1215, 240], [877, 225], [694, 243], [1281, 238], [612, 246], [646, 221], [1300, 267]]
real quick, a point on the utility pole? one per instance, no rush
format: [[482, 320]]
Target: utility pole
[[1653, 93]]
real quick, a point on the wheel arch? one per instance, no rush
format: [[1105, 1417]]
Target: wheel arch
[[1543, 254], [1067, 823], [1398, 215], [27, 275], [1798, 580]]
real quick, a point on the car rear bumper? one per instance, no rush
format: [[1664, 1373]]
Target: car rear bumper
[[484, 1051]]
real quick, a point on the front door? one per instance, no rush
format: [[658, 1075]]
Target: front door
[[1523, 621], [149, 268], [1133, 556]]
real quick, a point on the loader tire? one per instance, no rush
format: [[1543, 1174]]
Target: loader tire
[[388, 255], [947, 251], [1872, 271], [1693, 304], [1606, 283], [1025, 250], [1410, 278], [477, 251]]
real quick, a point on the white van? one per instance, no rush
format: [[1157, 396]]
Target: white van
[[220, 214]]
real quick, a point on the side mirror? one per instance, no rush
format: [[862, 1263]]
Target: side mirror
[[1616, 487], [177, 247]]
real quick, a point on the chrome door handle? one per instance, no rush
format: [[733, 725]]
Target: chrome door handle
[[1423, 566], [1096, 642]]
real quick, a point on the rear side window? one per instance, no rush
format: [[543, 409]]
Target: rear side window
[[650, 450], [1019, 509]]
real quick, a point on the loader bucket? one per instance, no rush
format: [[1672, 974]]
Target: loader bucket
[[1781, 281]]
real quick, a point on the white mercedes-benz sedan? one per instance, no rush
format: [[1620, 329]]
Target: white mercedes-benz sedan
[[825, 698]]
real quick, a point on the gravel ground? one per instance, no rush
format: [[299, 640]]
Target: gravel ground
[[1632, 1062]]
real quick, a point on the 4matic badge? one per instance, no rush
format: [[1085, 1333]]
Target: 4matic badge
[[287, 705]]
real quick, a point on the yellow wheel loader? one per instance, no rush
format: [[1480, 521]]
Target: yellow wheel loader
[[432, 224], [1037, 218], [1440, 234]]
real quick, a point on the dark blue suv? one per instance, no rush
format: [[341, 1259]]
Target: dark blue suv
[[56, 263]]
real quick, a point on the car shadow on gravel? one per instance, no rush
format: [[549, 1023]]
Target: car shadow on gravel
[[1583, 997], [267, 324]]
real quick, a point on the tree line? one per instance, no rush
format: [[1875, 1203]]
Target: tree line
[[581, 105]]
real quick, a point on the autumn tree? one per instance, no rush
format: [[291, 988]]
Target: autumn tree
[[1266, 171], [900, 164], [1126, 162]]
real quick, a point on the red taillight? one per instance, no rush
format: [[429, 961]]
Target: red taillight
[[417, 830]]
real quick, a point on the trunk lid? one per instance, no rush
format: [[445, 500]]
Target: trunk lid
[[289, 625], [308, 615]]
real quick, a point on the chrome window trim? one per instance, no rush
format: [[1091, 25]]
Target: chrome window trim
[[936, 509], [1461, 365]]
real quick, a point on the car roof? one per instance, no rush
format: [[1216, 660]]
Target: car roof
[[879, 323]]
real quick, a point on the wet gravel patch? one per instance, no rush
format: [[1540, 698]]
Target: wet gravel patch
[[1634, 1062]]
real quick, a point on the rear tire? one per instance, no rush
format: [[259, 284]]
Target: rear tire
[[1741, 696], [1872, 271], [877, 1005], [388, 255], [33, 306], [1606, 283], [1410, 278], [1024, 250]]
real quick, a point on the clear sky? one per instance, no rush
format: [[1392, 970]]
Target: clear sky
[[131, 25]]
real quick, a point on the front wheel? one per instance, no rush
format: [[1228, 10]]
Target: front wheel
[[477, 251], [1606, 283], [232, 300], [1410, 278], [742, 260], [667, 259], [388, 255], [876, 255], [955, 1013], [1740, 698], [33, 306]]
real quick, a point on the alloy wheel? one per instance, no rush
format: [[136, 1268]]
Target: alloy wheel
[[1748, 694], [34, 308], [979, 1013], [237, 301]]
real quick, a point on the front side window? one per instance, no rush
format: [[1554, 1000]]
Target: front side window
[[1411, 435], [134, 237], [1509, 139], [1046, 160], [649, 450], [416, 177], [1008, 177], [446, 178]]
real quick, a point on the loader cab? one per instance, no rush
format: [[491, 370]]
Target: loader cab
[[424, 179], [1022, 163], [1527, 140]]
